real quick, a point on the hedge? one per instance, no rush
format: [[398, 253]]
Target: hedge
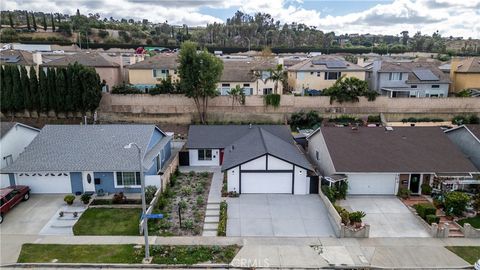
[[222, 223], [425, 209], [432, 219]]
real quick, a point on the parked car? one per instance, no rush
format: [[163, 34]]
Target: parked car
[[11, 196]]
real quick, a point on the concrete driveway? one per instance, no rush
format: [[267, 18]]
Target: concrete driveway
[[31, 216], [387, 216], [278, 215]]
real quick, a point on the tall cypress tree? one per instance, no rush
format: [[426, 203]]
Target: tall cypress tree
[[60, 86], [7, 101], [68, 102], [17, 91], [28, 20], [34, 21], [51, 89], [76, 88], [3, 92], [44, 22], [34, 95], [93, 94], [53, 22], [26, 88], [10, 19], [43, 91]]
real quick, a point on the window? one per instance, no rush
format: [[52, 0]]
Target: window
[[318, 74], [395, 76], [435, 86], [225, 85], [8, 159], [311, 72], [413, 86], [265, 75], [332, 75], [317, 155], [267, 91], [160, 73], [246, 85], [128, 179], [159, 163], [204, 154]]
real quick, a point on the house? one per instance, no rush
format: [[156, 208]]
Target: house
[[379, 161], [151, 71], [467, 139], [14, 137], [16, 57], [109, 71], [255, 158], [465, 74], [91, 158], [321, 72], [251, 74], [408, 79]]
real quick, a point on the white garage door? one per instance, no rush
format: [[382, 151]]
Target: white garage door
[[46, 184], [266, 183], [376, 184]]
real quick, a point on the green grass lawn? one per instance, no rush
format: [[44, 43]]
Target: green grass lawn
[[108, 221], [47, 253], [474, 221], [469, 253]]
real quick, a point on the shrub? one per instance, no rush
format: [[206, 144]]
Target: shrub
[[199, 189], [191, 173], [162, 202], [150, 193], [85, 198], [476, 202], [404, 193], [186, 191], [356, 217], [125, 89], [455, 203], [119, 198], [432, 219], [425, 209], [222, 223], [173, 180], [438, 203], [345, 217], [69, 199], [374, 119], [329, 193], [341, 190], [300, 120], [188, 224], [426, 189], [272, 100], [204, 174], [182, 204], [460, 120], [200, 200]]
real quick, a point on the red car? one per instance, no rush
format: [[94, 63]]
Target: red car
[[11, 196]]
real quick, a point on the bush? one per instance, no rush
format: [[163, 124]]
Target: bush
[[119, 198], [199, 189], [222, 223], [162, 202], [191, 173], [341, 190], [182, 204], [272, 100], [85, 198], [329, 193], [204, 174], [476, 202], [150, 193], [425, 209], [186, 191], [188, 224], [69, 199], [432, 219], [404, 193], [301, 120], [437, 203], [125, 89], [356, 217], [455, 203], [345, 216], [426, 189], [200, 201], [374, 119]]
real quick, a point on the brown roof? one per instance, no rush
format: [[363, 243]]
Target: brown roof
[[16, 57], [243, 70], [404, 149], [411, 66], [471, 64], [308, 65], [90, 59], [159, 61]]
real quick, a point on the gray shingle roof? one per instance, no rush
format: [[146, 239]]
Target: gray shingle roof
[[258, 142], [220, 136], [409, 67], [74, 148]]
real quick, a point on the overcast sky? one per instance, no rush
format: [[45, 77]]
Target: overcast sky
[[450, 17]]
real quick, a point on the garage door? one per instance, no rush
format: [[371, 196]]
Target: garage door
[[376, 184], [266, 183], [46, 184]]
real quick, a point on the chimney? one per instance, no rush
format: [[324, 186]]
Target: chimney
[[360, 61], [37, 58]]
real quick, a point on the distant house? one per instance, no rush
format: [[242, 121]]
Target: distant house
[[109, 71], [465, 74], [408, 79], [16, 57], [14, 137], [467, 138], [379, 161], [151, 71], [321, 72], [91, 158], [256, 159]]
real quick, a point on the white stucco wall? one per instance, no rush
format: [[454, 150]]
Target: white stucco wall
[[193, 156], [324, 163], [256, 164], [302, 182], [233, 179], [14, 142], [278, 164]]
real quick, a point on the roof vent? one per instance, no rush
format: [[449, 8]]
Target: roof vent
[[250, 125], [233, 147], [398, 64], [389, 128]]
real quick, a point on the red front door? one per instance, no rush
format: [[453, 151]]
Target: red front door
[[221, 156]]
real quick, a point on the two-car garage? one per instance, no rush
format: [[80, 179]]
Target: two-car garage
[[372, 184], [45, 182]]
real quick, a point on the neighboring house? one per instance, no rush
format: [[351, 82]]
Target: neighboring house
[[16, 57], [14, 137], [408, 79], [465, 74], [321, 72], [91, 158], [250, 74], [467, 138], [151, 71], [256, 159], [379, 161], [109, 71]]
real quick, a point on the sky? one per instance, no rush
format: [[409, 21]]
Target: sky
[[458, 18]]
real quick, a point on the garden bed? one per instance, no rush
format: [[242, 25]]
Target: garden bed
[[189, 192], [108, 221], [54, 253]]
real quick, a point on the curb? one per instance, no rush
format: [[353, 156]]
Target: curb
[[119, 266]]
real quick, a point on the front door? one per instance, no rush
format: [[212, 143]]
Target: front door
[[221, 156], [88, 182], [415, 183]]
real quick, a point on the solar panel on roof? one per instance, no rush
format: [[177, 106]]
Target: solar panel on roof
[[425, 75], [336, 64], [10, 59]]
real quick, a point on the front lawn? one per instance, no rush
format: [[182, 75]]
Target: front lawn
[[474, 221], [469, 253], [48, 253], [108, 221]]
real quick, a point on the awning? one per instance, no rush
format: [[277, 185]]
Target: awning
[[335, 178], [462, 182], [459, 174]]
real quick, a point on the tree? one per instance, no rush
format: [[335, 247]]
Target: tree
[[199, 74], [44, 22], [28, 20], [348, 89], [6, 95], [277, 75], [92, 89], [237, 95], [60, 87], [10, 19], [42, 91], [25, 87], [53, 22], [34, 21], [17, 91], [51, 89], [34, 95]]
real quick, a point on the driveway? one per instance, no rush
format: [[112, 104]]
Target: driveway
[[278, 215], [387, 216]]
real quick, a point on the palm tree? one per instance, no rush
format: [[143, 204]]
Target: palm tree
[[277, 75], [237, 94]]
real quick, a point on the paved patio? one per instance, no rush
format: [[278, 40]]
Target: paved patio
[[278, 215], [387, 216]]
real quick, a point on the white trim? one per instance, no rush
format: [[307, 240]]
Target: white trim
[[124, 186], [465, 127]]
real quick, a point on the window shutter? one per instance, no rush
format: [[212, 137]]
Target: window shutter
[[119, 179]]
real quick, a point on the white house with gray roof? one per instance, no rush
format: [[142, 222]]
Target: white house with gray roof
[[90, 158], [255, 158]]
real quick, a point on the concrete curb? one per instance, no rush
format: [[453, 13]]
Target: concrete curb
[[116, 265]]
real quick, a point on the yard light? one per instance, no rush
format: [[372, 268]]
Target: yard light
[[144, 205]]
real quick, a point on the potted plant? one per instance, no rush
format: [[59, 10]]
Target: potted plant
[[69, 199], [356, 218], [85, 198]]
